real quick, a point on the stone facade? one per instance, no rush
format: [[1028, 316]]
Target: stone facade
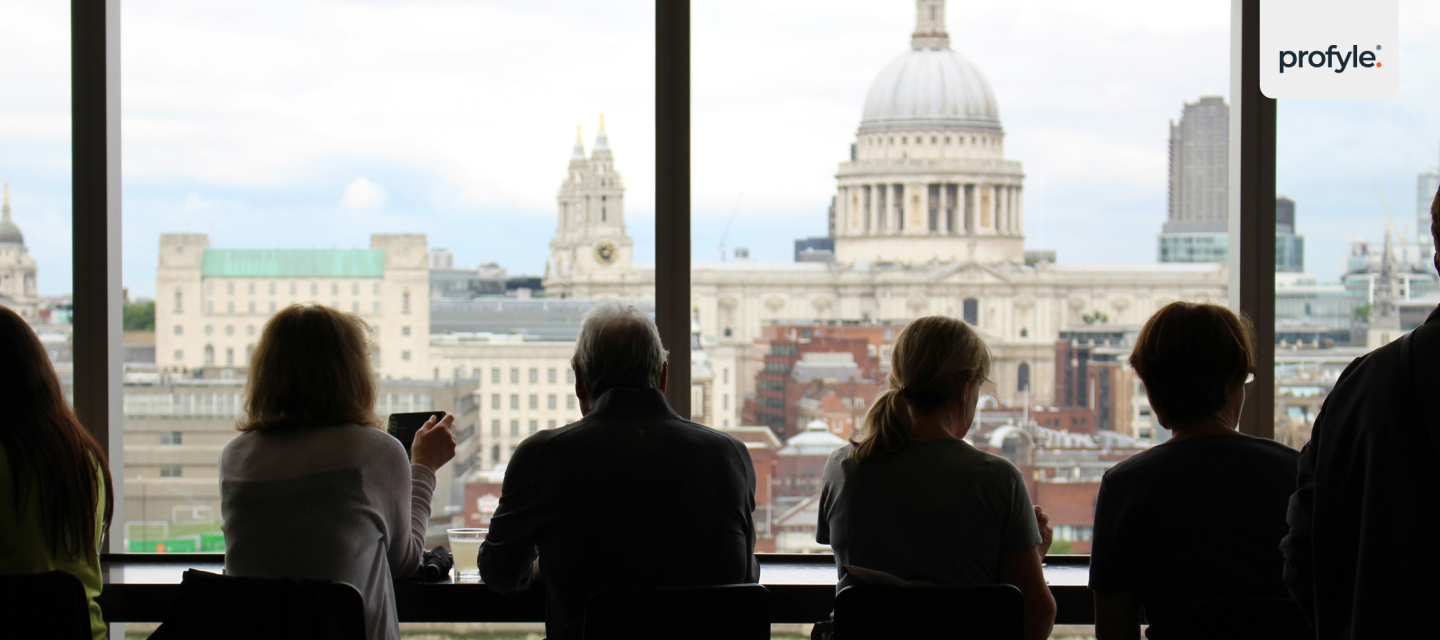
[[212, 304]]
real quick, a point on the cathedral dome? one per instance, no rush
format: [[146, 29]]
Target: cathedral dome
[[930, 88], [9, 233]]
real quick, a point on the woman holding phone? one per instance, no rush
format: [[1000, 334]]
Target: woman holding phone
[[313, 488], [55, 492]]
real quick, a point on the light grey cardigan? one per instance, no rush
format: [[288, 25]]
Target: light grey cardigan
[[339, 502]]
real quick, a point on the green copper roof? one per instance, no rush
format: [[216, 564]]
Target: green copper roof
[[293, 263]]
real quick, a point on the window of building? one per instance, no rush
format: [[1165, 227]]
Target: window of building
[[334, 288], [495, 453], [179, 302], [1022, 377], [229, 329], [405, 302], [209, 287], [354, 307], [534, 426], [355, 288], [569, 402], [494, 376], [495, 424], [230, 288], [569, 376], [209, 306], [971, 308], [550, 401], [209, 354], [514, 427], [534, 401], [169, 471], [229, 355], [534, 376], [514, 401], [272, 306], [494, 401], [376, 289], [293, 286], [271, 287], [230, 307], [550, 424], [514, 376], [404, 331], [209, 329], [179, 330], [314, 288], [179, 355], [725, 402], [405, 356], [550, 375], [250, 330], [172, 438], [475, 374], [375, 308]]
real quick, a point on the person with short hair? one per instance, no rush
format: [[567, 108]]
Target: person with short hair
[[313, 487], [1368, 497], [911, 499], [56, 496], [631, 495], [1201, 515]]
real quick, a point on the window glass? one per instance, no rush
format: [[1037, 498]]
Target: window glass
[[293, 156], [932, 170], [1354, 267]]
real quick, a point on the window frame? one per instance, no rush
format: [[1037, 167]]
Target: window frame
[[96, 212]]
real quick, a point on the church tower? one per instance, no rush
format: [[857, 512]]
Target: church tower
[[590, 243]]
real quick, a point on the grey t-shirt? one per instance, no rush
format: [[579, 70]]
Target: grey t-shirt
[[938, 511]]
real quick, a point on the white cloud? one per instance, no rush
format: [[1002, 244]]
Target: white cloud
[[363, 194]]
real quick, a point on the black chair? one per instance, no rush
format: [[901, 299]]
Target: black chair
[[991, 612], [1248, 619], [44, 605], [725, 612], [213, 606]]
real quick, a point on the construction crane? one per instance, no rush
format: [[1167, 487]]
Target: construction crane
[[728, 223]]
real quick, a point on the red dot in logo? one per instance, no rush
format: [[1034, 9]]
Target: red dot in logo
[[1378, 64]]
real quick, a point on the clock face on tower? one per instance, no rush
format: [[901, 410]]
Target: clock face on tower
[[606, 252]]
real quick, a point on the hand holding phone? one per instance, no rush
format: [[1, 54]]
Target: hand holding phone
[[434, 443], [404, 425]]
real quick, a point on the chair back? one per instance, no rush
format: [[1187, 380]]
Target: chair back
[[991, 612], [213, 606], [1249, 618], [725, 612], [44, 605]]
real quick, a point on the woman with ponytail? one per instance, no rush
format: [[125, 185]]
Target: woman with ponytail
[[55, 497], [909, 497]]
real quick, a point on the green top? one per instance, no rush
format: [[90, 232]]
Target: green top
[[293, 263], [23, 548]]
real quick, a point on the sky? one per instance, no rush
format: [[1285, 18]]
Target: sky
[[279, 124]]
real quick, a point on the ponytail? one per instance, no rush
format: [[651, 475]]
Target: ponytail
[[887, 427], [933, 358]]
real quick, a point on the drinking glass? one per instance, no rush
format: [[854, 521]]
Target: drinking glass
[[465, 547]]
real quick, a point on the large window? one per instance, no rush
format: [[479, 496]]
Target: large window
[[861, 165], [1354, 265], [373, 158]]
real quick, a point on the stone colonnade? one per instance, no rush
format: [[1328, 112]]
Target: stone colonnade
[[948, 208]]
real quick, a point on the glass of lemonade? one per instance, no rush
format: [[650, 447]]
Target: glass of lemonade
[[465, 547]]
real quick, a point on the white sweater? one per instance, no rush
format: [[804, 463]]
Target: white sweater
[[338, 502]]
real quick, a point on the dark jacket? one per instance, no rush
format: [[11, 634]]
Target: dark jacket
[[631, 495], [1368, 498]]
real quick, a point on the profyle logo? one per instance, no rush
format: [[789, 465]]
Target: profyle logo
[[1299, 61], [1342, 59]]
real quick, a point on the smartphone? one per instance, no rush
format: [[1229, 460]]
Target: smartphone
[[404, 425]]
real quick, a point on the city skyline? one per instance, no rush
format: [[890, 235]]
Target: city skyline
[[253, 151]]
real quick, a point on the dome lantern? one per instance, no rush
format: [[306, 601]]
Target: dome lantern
[[930, 86]]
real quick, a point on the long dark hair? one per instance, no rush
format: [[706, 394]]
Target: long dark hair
[[53, 459]]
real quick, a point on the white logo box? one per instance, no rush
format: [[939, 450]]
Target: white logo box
[[1365, 60]]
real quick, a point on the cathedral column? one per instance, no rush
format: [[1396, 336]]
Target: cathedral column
[[1019, 210], [1002, 209]]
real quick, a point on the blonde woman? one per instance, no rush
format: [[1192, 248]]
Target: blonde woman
[[911, 498], [312, 488]]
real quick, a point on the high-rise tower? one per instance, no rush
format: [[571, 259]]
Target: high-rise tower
[[1197, 228], [590, 233]]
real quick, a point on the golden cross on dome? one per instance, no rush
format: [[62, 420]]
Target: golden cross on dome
[[602, 122], [577, 133]]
